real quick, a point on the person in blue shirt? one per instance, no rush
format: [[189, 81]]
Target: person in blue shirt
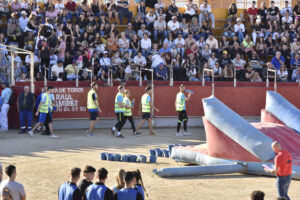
[[295, 61], [277, 60], [99, 191], [5, 96], [139, 186], [128, 192], [69, 190]]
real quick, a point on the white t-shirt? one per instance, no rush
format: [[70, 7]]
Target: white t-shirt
[[128, 70], [146, 44], [173, 26], [139, 61], [181, 41], [59, 7], [237, 27], [13, 188], [35, 59], [57, 69], [156, 60], [205, 10], [285, 20], [150, 18]]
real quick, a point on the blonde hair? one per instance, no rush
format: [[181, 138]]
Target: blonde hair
[[120, 179]]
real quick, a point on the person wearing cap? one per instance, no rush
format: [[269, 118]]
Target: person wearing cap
[[89, 174], [23, 20], [93, 107], [5, 96], [206, 12], [239, 29], [25, 106], [119, 110]]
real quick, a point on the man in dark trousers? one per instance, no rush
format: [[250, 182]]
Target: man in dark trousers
[[69, 190], [89, 174], [119, 110], [25, 105], [99, 190], [129, 193], [283, 169]]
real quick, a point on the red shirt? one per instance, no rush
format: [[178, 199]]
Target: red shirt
[[252, 11], [283, 162], [71, 6]]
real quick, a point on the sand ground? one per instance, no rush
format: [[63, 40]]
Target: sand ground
[[44, 163]]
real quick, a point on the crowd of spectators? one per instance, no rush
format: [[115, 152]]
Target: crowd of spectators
[[91, 40]]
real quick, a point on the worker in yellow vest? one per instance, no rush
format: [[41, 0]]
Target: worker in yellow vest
[[119, 110], [146, 106], [128, 110], [45, 111], [93, 107], [180, 105]]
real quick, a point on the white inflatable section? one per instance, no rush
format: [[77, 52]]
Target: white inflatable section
[[282, 109], [238, 129]]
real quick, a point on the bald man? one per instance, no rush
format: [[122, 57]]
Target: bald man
[[283, 169]]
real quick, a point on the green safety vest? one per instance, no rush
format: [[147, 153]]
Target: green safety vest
[[45, 106], [179, 103], [145, 106], [127, 111], [117, 107], [90, 102]]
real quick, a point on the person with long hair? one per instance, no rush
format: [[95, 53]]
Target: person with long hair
[[139, 186], [119, 181]]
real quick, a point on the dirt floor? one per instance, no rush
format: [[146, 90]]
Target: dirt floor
[[43, 164]]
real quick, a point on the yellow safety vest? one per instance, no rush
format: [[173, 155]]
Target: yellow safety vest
[[117, 107], [179, 102], [45, 106], [127, 111], [90, 102], [145, 106]]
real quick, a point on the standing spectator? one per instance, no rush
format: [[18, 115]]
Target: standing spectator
[[282, 169], [61, 48], [69, 190], [88, 173], [45, 59], [23, 20], [206, 14], [173, 26], [277, 60], [239, 29], [252, 13], [159, 29], [124, 11], [99, 190], [5, 96], [273, 13], [25, 105], [10, 188]]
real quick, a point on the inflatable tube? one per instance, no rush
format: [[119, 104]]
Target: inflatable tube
[[201, 170], [152, 152], [103, 156], [152, 159], [283, 110], [185, 155], [132, 158], [110, 156], [117, 157], [170, 147], [166, 153], [142, 159], [238, 129], [159, 152], [125, 158]]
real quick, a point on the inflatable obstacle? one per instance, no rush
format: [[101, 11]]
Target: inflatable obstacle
[[232, 140]]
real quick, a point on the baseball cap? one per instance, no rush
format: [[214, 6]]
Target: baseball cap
[[225, 52]]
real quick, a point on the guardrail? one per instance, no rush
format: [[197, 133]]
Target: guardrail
[[275, 79], [212, 80]]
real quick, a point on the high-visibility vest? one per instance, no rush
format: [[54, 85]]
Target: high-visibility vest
[[179, 102], [127, 111], [145, 106], [45, 106], [90, 102], [117, 107]]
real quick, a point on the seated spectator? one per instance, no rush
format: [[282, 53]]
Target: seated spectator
[[273, 12], [142, 11], [130, 72], [15, 6], [195, 28], [5, 9], [72, 71], [225, 59], [295, 61], [169, 44], [206, 52], [190, 11], [296, 74], [159, 29], [156, 59], [14, 33], [112, 9], [224, 43], [232, 11], [134, 46], [212, 42], [212, 61], [51, 13], [282, 74], [252, 13], [254, 61], [159, 5], [124, 11], [228, 29], [239, 65], [138, 21], [173, 26], [60, 77], [255, 77], [22, 78], [266, 73], [10, 188], [146, 45], [287, 18], [142, 31], [56, 69], [258, 30], [36, 62], [257, 195], [277, 60], [59, 6], [227, 73], [129, 32], [206, 14], [150, 19], [140, 60], [161, 72], [286, 9], [218, 72], [123, 43], [112, 42], [239, 29], [261, 48], [173, 11], [295, 47], [296, 9], [119, 181], [271, 44], [247, 45], [184, 28], [180, 43], [70, 10]]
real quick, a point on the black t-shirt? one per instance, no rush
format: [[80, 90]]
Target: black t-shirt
[[84, 183], [274, 11], [173, 9]]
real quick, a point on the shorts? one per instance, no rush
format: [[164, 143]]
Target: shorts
[[93, 115], [45, 117], [146, 116]]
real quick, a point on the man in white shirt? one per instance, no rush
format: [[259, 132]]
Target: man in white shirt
[[206, 13], [11, 189], [239, 29], [180, 43], [212, 41], [105, 61], [59, 5], [156, 59], [173, 25], [56, 69], [159, 28], [140, 60], [23, 20], [146, 45]]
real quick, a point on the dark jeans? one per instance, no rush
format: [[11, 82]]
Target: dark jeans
[[283, 184], [121, 121], [130, 119], [125, 13]]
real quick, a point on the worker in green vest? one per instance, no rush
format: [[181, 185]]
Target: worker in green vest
[[146, 106], [45, 111], [128, 110], [93, 107], [180, 105], [119, 110]]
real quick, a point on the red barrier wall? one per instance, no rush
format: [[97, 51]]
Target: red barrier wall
[[246, 101]]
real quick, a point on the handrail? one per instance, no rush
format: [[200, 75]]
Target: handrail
[[234, 77], [171, 76], [77, 75], [212, 82], [275, 79], [110, 78]]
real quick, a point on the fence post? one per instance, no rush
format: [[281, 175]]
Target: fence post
[[32, 72], [12, 75]]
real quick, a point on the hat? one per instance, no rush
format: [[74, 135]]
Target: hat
[[238, 19], [160, 64], [105, 52], [24, 13], [225, 52]]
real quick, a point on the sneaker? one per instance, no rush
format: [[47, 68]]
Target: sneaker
[[112, 132], [137, 133], [186, 133], [179, 134], [152, 133], [54, 136], [30, 133], [90, 135], [120, 136]]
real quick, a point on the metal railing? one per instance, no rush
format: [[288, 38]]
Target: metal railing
[[234, 77], [77, 75], [275, 79], [110, 78], [212, 80]]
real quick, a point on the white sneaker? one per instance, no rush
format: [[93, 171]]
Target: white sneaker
[[30, 133], [54, 136], [178, 134], [186, 133]]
